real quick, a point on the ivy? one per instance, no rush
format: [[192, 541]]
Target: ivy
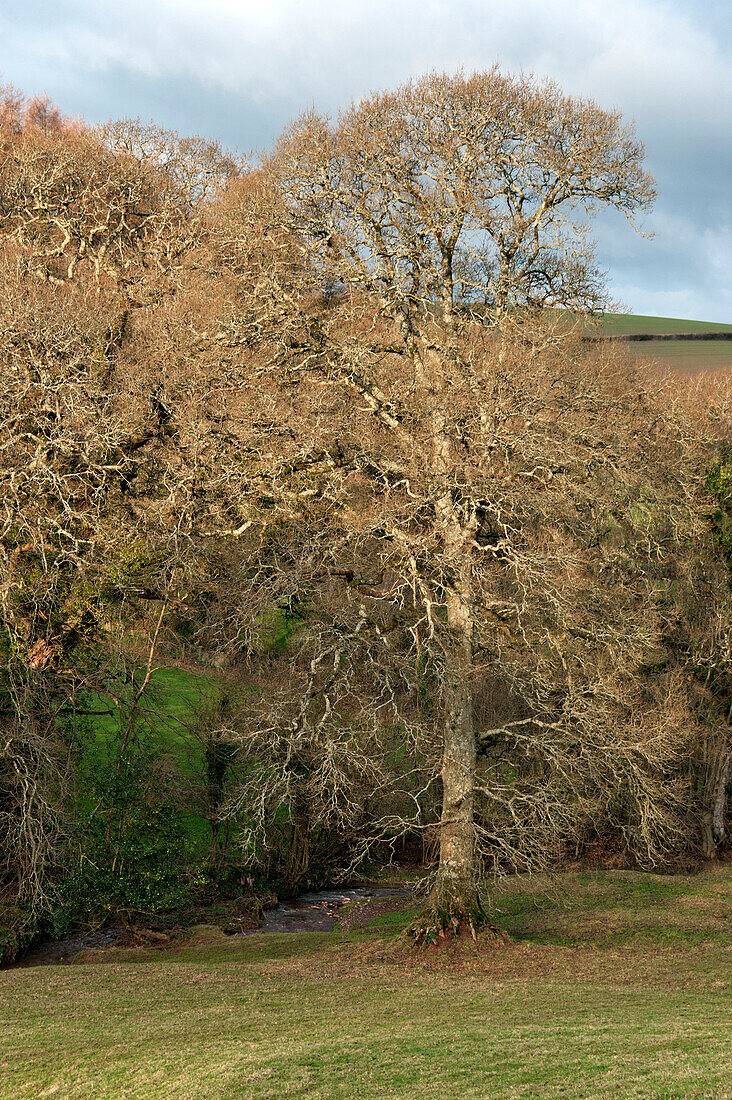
[[719, 484]]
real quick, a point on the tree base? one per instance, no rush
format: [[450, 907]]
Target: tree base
[[448, 915], [427, 931]]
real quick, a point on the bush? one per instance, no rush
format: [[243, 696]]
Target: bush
[[134, 854]]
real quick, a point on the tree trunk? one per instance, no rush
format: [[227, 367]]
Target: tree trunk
[[454, 904], [720, 805], [298, 855], [709, 849], [713, 824]]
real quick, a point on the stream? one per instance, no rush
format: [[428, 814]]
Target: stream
[[314, 912], [319, 912]]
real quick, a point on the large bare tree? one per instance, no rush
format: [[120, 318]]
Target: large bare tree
[[452, 191], [329, 385], [480, 472]]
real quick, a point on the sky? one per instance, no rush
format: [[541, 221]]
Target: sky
[[239, 70]]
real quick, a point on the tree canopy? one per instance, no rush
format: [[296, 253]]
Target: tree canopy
[[462, 190]]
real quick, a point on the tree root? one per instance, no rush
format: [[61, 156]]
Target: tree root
[[434, 928]]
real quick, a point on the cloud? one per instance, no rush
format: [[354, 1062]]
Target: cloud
[[240, 69]]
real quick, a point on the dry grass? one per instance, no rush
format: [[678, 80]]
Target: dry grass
[[692, 357]]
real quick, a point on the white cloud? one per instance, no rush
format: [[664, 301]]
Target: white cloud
[[646, 57], [240, 68]]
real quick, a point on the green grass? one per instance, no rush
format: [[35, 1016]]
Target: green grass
[[632, 324], [338, 1016], [683, 357], [167, 711], [617, 908], [169, 714]]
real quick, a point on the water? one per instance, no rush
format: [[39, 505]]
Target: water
[[319, 912], [315, 912], [53, 952]]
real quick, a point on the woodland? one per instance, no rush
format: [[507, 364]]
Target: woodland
[[327, 540]]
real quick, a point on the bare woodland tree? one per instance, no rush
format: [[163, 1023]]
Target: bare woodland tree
[[485, 467], [507, 494], [92, 225]]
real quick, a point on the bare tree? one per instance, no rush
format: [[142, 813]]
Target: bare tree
[[393, 213], [92, 224], [328, 384], [121, 202], [456, 190]]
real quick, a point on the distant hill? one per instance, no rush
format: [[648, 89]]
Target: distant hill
[[634, 324]]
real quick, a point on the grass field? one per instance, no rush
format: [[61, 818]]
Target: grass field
[[167, 711], [174, 705], [633, 324], [683, 357], [690, 357], [615, 984]]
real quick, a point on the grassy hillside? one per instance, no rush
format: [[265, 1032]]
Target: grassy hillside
[[169, 725], [632, 324], [562, 1010], [692, 357], [167, 714]]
